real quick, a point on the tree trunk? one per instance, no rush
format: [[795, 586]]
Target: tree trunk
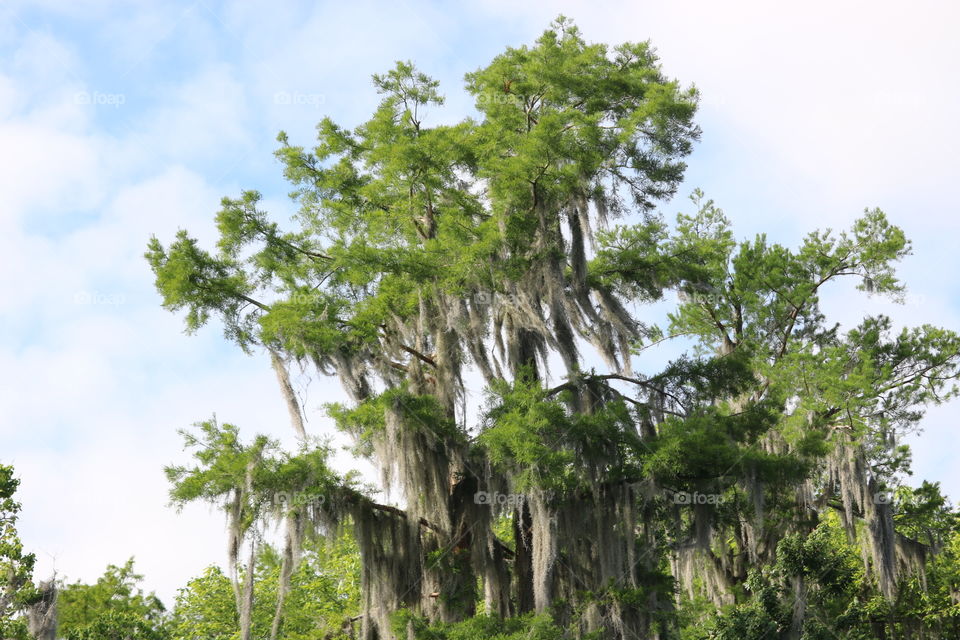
[[42, 615], [283, 586], [523, 562], [799, 607], [246, 611]]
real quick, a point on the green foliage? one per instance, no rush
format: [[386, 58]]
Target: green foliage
[[326, 589], [528, 627], [325, 594], [205, 608], [389, 213], [590, 110], [113, 608], [419, 251], [367, 420], [765, 294], [531, 432], [630, 260], [524, 427], [247, 478], [222, 459], [940, 605], [16, 567], [257, 484], [192, 278], [924, 514], [823, 556], [712, 444], [822, 571]]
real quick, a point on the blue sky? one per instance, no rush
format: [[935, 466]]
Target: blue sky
[[123, 119]]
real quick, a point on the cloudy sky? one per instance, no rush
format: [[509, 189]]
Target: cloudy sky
[[119, 120]]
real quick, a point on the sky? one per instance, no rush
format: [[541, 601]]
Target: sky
[[119, 120]]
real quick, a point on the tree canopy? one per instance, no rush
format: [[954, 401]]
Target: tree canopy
[[751, 488], [17, 591], [113, 608]]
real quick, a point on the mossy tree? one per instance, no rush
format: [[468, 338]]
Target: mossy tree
[[422, 255]]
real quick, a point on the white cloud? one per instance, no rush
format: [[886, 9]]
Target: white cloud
[[51, 170], [842, 105], [200, 116], [96, 377]]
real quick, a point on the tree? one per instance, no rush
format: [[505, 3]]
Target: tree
[[17, 591], [258, 485], [205, 608], [424, 255], [324, 593], [841, 402], [227, 473], [113, 608]]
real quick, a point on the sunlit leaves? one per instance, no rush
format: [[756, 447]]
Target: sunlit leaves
[[16, 566], [113, 608], [566, 113]]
